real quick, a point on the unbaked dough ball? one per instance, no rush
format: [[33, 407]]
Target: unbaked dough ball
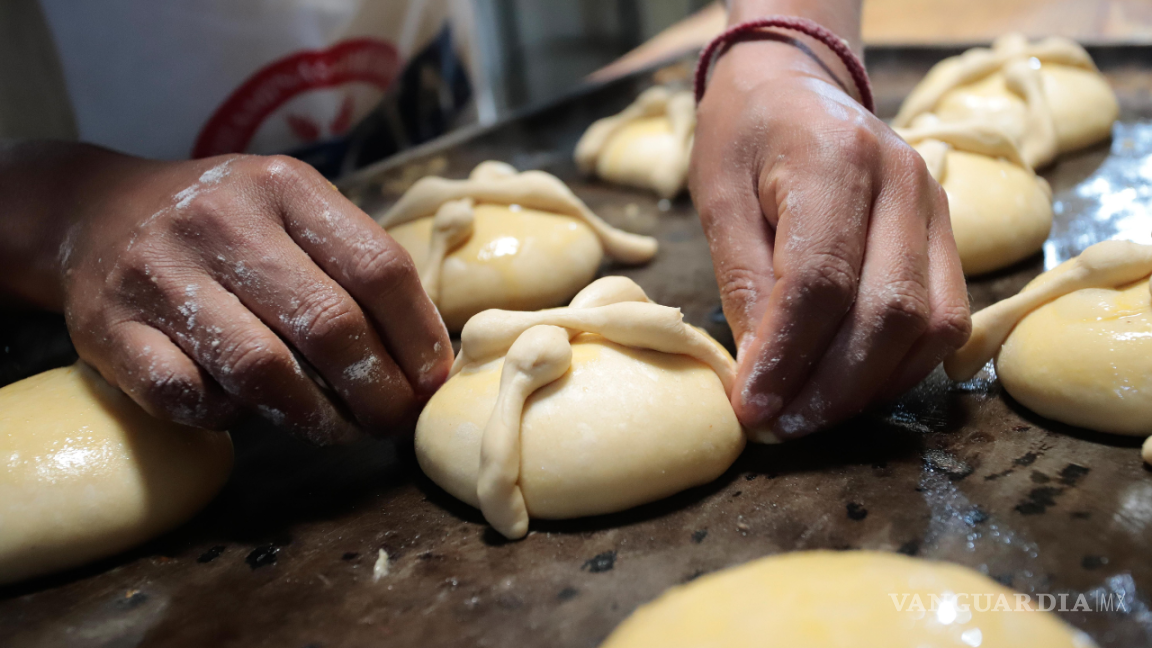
[[1074, 345], [1001, 210], [609, 403], [1086, 358], [622, 427], [88, 474], [522, 259], [647, 145], [502, 239], [848, 599], [1083, 105], [1046, 95]]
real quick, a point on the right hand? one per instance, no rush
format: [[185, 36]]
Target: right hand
[[190, 284]]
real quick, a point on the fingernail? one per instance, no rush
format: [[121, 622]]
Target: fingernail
[[762, 408]]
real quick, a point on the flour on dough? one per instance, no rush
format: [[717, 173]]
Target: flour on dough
[[502, 239], [609, 403], [647, 145], [88, 474], [843, 599]]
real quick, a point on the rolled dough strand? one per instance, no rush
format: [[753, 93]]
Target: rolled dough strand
[[1106, 264], [977, 63], [531, 189], [641, 325], [539, 356], [1039, 141], [451, 227], [609, 290], [969, 136], [650, 103]]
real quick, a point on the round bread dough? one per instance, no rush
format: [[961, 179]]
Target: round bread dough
[[502, 239], [647, 145], [1083, 105], [88, 473], [522, 259], [1001, 210], [1085, 358], [588, 422], [1048, 96], [1001, 213], [847, 599], [1074, 344]]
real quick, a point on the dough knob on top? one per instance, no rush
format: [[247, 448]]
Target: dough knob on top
[[502, 239], [604, 405]]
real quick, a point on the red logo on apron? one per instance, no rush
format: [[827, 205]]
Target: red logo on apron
[[235, 122]]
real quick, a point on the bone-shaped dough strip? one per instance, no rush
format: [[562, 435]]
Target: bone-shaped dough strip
[[1107, 264], [537, 357], [490, 182], [970, 136], [645, 326], [451, 227], [650, 103]]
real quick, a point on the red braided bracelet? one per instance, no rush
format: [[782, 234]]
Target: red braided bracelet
[[744, 30]]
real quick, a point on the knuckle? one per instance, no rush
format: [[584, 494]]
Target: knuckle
[[276, 168], [830, 276], [248, 360], [328, 314], [738, 285], [951, 325], [856, 145], [905, 303], [383, 265]]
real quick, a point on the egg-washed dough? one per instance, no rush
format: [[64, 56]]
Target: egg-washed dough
[[1075, 345], [843, 599], [1001, 210], [609, 403], [647, 145], [502, 239], [1047, 95], [87, 473]]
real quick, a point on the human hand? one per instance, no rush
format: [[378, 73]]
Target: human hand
[[190, 284], [831, 242]]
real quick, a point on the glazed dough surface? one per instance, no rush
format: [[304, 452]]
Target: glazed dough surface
[[1001, 212], [87, 473], [824, 599], [647, 145], [622, 427], [516, 260], [1085, 359], [1000, 209], [609, 403], [1046, 95]]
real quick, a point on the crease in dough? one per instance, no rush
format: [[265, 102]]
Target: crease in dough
[[1048, 95], [1075, 344], [647, 145], [502, 239], [1001, 211], [610, 326]]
